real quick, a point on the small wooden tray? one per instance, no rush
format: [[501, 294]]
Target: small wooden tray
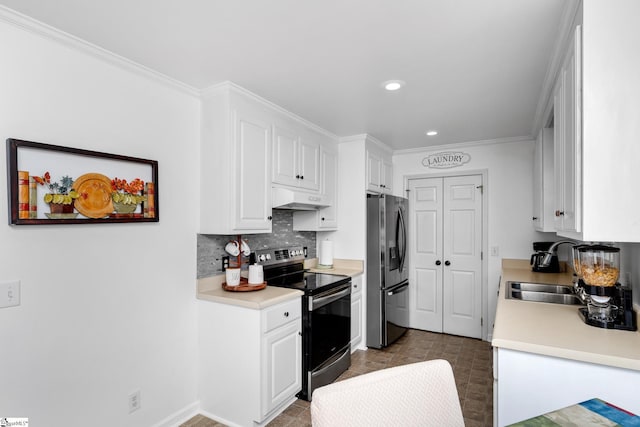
[[244, 286]]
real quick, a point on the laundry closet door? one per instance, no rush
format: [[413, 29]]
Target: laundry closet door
[[446, 264]]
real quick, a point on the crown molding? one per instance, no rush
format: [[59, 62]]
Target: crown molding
[[45, 31], [364, 137], [485, 142], [229, 85]]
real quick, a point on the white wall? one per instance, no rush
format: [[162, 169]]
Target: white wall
[[509, 167], [105, 309]]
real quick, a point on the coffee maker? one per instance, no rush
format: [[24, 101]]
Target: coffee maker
[[537, 259], [609, 304]]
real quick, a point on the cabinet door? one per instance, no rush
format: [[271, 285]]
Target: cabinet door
[[543, 182], [568, 142], [285, 156], [329, 215], [387, 177], [356, 312], [282, 364], [309, 168], [253, 173], [537, 184], [571, 220], [374, 172]]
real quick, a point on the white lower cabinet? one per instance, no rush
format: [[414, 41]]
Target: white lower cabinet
[[356, 313], [527, 385], [250, 361]]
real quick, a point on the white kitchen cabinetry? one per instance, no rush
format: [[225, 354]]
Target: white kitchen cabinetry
[[567, 110], [379, 170], [527, 385], [543, 182], [324, 219], [235, 163], [356, 313], [250, 360], [296, 156]]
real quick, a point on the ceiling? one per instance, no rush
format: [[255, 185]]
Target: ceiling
[[474, 69]]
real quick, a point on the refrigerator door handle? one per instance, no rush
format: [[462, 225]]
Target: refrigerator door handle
[[398, 289], [403, 229]]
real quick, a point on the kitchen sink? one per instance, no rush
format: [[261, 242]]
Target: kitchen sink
[[542, 292]]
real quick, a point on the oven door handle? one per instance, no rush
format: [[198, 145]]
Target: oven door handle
[[327, 299]]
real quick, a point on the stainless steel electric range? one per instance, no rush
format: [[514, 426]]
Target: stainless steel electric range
[[326, 314]]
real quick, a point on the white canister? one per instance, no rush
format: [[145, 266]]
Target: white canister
[[256, 274], [233, 276]]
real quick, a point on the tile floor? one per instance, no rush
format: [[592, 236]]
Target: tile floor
[[471, 360]]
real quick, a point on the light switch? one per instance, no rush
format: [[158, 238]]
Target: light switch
[[9, 293]]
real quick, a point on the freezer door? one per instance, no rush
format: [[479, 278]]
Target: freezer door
[[396, 313]]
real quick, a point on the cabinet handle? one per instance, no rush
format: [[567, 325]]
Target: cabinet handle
[[297, 176], [559, 213], [301, 176], [322, 218], [269, 217], [438, 262], [447, 263], [534, 218], [286, 314]]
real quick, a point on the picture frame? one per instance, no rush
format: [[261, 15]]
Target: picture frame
[[52, 184]]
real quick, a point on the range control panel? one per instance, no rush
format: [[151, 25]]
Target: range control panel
[[281, 256]]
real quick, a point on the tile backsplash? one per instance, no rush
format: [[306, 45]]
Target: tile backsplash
[[211, 246]]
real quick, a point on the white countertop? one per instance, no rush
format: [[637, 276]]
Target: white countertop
[[556, 329], [210, 289], [341, 267]]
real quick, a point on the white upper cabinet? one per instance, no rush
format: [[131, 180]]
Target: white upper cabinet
[[596, 100], [324, 219], [296, 156], [568, 140], [379, 170], [543, 182], [235, 168]]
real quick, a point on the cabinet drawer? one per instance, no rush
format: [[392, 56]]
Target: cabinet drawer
[[281, 314]]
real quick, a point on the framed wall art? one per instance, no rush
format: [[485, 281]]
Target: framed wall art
[[51, 184]]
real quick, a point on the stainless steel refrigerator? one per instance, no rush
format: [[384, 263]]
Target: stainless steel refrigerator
[[387, 272]]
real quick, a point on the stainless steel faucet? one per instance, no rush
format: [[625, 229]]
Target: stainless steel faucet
[[546, 260]]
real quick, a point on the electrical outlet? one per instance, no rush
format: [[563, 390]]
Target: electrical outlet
[[225, 263], [495, 251], [9, 293], [134, 401]]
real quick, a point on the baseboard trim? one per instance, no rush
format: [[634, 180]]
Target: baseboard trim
[[180, 416]]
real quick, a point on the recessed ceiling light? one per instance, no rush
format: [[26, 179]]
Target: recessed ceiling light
[[392, 85], [432, 132]]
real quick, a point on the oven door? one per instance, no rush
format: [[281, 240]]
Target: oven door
[[330, 323], [328, 333]]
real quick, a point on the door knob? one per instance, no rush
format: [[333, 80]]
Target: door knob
[[447, 263], [438, 262]]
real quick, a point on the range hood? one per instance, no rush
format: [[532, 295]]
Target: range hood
[[285, 198]]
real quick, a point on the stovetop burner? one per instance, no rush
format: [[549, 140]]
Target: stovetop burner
[[285, 268]]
